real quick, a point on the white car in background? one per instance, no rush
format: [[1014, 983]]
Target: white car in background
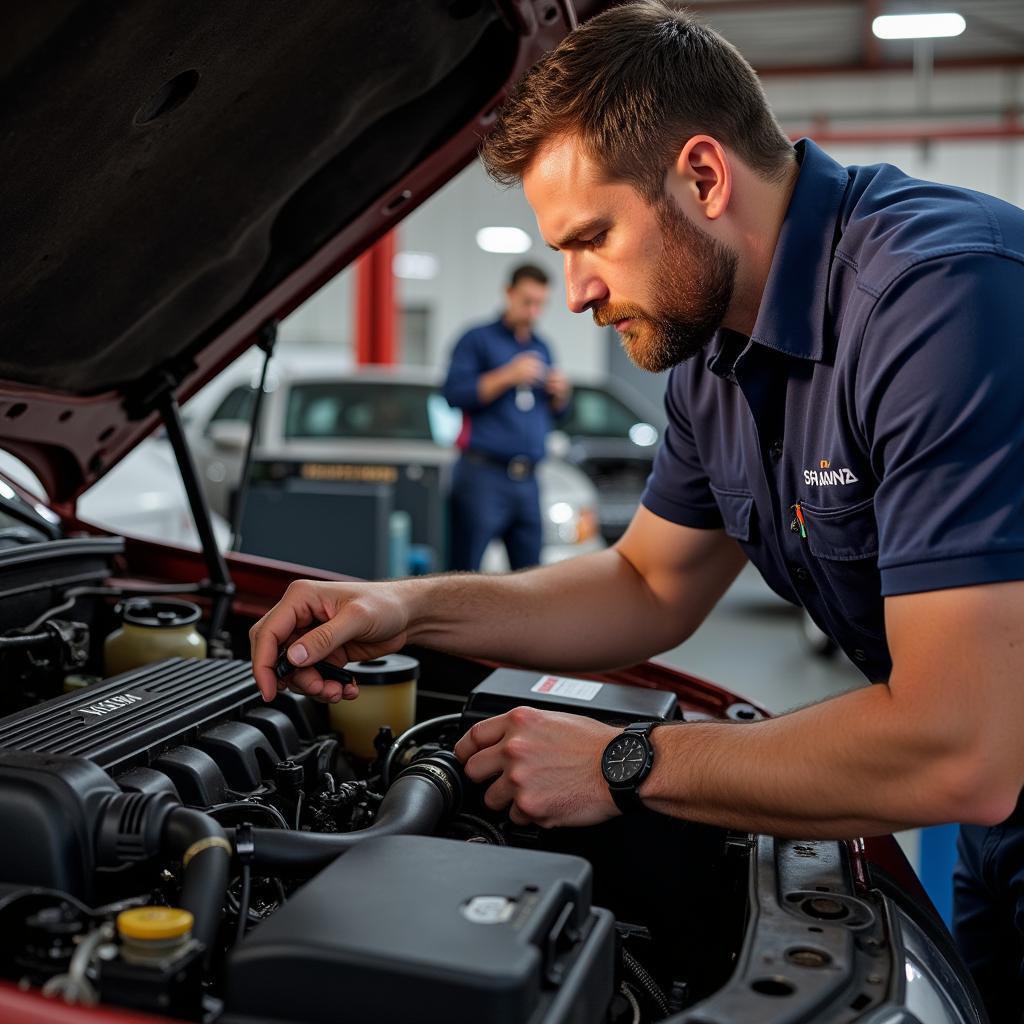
[[319, 410], [142, 496]]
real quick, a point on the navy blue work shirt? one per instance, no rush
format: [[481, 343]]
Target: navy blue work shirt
[[881, 391], [513, 424]]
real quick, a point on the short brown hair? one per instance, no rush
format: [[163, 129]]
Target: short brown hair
[[633, 84], [528, 272]]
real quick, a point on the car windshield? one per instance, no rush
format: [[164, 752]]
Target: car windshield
[[364, 410], [596, 413]]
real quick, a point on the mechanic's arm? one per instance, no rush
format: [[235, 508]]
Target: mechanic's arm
[[611, 608], [940, 742], [527, 368], [559, 391]]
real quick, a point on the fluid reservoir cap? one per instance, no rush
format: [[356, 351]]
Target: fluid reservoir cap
[[164, 614], [142, 923], [392, 668]]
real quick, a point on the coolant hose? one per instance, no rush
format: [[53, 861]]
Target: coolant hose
[[205, 854], [422, 795]]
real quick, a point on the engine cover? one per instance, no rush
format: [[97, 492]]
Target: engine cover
[[196, 725], [48, 810], [414, 928]]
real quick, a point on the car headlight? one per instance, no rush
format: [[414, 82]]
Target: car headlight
[[569, 525]]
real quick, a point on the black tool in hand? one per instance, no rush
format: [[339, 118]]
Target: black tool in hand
[[283, 667]]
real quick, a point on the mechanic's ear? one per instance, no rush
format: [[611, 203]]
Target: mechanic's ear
[[701, 179]]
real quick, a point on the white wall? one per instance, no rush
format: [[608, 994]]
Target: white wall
[[470, 283], [328, 317], [886, 101], [468, 287]]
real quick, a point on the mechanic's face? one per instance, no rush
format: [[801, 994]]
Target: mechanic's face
[[524, 303], [658, 278]]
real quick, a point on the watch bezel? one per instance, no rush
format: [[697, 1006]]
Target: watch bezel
[[625, 793]]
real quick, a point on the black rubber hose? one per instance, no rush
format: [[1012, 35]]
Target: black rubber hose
[[243, 903], [643, 979], [30, 640], [206, 855], [410, 734], [414, 805]]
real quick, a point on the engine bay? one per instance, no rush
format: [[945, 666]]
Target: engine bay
[[174, 845]]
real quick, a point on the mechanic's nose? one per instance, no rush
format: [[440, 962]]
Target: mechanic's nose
[[583, 289]]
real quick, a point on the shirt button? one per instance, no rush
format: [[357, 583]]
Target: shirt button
[[775, 449], [801, 574], [859, 655]]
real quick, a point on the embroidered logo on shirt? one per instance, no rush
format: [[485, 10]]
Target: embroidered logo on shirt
[[826, 476]]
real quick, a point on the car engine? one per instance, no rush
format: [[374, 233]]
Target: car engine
[[174, 845]]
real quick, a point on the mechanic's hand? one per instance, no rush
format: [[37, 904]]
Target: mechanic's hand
[[558, 388], [527, 368], [546, 766], [353, 622]]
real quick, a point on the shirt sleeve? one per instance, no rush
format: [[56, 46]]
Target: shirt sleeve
[[678, 489], [559, 416], [941, 389], [460, 387]]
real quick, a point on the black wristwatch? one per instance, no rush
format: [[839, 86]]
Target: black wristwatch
[[626, 762]]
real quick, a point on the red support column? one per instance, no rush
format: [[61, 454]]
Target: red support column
[[376, 313]]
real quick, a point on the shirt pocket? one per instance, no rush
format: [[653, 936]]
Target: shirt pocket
[[737, 509], [844, 543]]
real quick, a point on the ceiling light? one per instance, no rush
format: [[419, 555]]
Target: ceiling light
[[918, 26], [415, 266], [495, 239]]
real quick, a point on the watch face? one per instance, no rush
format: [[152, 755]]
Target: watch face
[[624, 759]]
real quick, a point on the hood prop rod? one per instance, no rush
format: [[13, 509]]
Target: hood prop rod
[[220, 586], [267, 339]]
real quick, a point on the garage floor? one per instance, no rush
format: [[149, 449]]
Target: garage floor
[[752, 644]]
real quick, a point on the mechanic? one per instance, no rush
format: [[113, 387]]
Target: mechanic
[[502, 378], [845, 410]]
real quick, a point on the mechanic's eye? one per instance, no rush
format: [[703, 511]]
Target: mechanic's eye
[[597, 241]]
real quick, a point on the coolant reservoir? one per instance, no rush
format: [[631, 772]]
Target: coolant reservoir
[[153, 934], [387, 696], [153, 630]]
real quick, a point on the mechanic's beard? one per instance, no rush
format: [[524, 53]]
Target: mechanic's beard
[[696, 274]]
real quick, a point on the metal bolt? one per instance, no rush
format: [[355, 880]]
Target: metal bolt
[[808, 957], [824, 907]]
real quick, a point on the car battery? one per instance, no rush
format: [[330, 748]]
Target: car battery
[[416, 928], [614, 703]]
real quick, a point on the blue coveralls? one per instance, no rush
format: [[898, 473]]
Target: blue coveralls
[[882, 392], [494, 486]]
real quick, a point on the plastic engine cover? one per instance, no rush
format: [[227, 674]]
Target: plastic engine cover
[[49, 806], [412, 928]]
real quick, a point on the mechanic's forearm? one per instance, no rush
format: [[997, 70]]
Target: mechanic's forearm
[[590, 613], [858, 764], [493, 384]]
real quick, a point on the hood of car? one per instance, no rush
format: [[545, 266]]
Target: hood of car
[[179, 175]]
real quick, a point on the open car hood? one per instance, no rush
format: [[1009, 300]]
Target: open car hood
[[179, 174]]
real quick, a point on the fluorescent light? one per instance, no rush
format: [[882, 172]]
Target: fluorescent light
[[918, 26], [496, 239], [415, 266]]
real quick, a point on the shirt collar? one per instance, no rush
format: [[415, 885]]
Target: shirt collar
[[791, 317], [500, 325], [792, 313]]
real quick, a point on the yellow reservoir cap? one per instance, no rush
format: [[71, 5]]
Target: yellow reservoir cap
[[154, 923]]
